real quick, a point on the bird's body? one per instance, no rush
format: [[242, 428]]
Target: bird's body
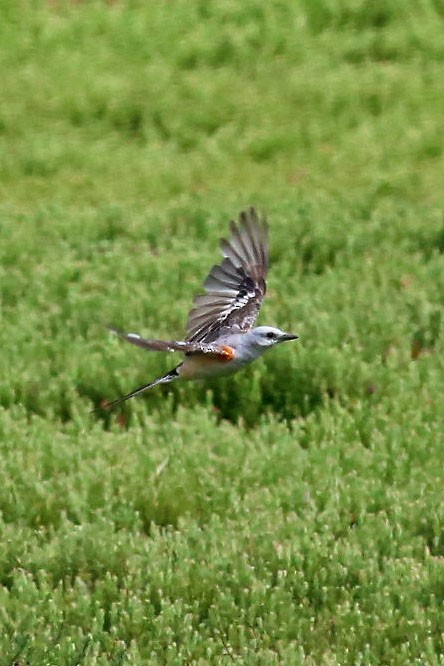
[[220, 334], [202, 366], [237, 352]]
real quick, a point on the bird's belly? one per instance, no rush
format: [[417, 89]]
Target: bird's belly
[[201, 366]]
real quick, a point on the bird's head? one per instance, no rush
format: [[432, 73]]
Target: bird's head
[[268, 336]]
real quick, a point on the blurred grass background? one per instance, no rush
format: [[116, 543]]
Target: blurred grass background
[[289, 515]]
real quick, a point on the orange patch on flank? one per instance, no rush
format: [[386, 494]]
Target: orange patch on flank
[[227, 353]]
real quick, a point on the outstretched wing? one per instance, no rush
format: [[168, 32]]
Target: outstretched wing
[[236, 287], [170, 345]]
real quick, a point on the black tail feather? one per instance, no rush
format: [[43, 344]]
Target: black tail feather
[[165, 379]]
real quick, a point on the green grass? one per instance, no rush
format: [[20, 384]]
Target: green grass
[[292, 514]]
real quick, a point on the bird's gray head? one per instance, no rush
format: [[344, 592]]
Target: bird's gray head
[[268, 336]]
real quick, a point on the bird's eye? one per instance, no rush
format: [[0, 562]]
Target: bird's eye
[[270, 335]]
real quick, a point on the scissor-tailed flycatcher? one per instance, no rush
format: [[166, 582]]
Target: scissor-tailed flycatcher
[[220, 335]]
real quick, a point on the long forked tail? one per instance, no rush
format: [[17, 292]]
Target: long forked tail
[[165, 379]]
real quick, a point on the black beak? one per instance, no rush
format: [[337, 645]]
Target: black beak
[[288, 336]]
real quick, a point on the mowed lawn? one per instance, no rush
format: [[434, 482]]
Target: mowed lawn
[[292, 514]]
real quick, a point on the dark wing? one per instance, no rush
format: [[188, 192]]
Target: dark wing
[[236, 287], [168, 345]]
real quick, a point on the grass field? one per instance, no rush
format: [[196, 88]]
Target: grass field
[[292, 514]]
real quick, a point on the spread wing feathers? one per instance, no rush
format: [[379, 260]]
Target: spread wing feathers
[[168, 345], [236, 287]]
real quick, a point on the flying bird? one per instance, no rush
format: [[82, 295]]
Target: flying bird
[[221, 337]]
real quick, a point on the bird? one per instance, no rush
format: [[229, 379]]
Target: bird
[[221, 337]]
